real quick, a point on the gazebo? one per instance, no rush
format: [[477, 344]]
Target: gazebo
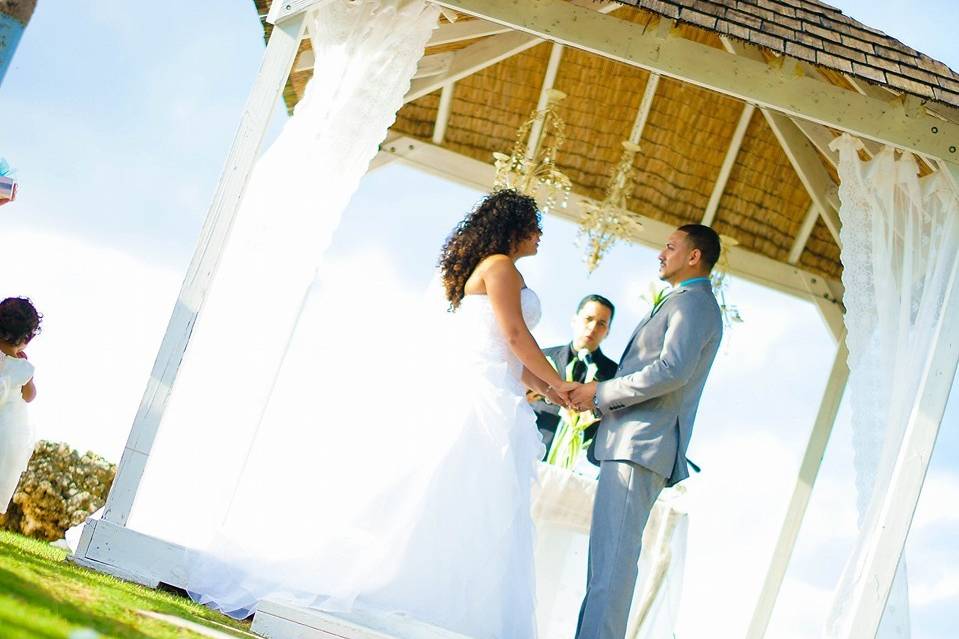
[[746, 113]]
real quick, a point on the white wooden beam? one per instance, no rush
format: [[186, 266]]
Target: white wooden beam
[[645, 106], [428, 66], [450, 15], [805, 230], [119, 551], [433, 65], [898, 503], [820, 137], [443, 112], [477, 56], [549, 78], [728, 162], [464, 30], [802, 492], [289, 9], [711, 68], [269, 83], [489, 51], [813, 175], [830, 304], [743, 263]]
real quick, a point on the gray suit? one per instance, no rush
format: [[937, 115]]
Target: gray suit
[[647, 411]]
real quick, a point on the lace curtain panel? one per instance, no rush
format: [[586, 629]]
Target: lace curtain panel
[[900, 235], [366, 53]]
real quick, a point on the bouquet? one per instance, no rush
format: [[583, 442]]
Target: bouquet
[[568, 442]]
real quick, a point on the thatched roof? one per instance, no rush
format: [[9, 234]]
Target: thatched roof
[[764, 203]]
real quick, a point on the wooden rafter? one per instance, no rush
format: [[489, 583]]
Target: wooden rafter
[[489, 51], [813, 175], [728, 162], [802, 236], [443, 112], [645, 107], [464, 30], [476, 57], [549, 78]]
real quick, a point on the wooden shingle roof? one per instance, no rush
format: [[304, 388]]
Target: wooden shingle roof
[[819, 34]]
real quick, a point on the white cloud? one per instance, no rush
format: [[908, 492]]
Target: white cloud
[[938, 502], [945, 588], [104, 315]]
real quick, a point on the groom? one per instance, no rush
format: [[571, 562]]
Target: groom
[[647, 414]]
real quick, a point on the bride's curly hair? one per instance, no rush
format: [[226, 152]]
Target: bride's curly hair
[[19, 321], [496, 225]]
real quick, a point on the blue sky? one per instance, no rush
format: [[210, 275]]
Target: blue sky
[[122, 115]]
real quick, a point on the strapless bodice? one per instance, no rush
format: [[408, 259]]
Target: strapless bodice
[[479, 334]]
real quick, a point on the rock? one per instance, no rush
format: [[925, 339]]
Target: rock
[[58, 490]]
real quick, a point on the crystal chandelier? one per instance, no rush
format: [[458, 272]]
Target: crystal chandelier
[[607, 222], [531, 166], [718, 277]]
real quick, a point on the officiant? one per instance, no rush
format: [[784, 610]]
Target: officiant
[[590, 324]]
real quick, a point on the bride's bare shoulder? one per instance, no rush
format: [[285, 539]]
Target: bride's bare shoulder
[[496, 267]]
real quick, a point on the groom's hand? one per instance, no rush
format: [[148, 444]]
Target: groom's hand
[[582, 396], [555, 397]]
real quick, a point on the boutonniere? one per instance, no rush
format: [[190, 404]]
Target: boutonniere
[[656, 297]]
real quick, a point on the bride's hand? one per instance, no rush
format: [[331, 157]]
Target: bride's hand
[[559, 394]]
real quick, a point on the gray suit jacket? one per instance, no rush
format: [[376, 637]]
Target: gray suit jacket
[[648, 409]]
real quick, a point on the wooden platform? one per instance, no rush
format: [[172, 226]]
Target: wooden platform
[[276, 620]]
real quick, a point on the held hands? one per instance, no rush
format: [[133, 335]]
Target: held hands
[[560, 393], [582, 396]]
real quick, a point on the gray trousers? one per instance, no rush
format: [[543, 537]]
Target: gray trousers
[[624, 498]]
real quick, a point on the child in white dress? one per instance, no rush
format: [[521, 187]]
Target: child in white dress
[[19, 323]]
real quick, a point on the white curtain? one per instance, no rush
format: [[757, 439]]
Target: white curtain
[[899, 235], [366, 53]]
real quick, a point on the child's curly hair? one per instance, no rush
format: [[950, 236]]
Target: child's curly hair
[[19, 321]]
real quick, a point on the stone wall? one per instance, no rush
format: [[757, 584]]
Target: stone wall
[[59, 489]]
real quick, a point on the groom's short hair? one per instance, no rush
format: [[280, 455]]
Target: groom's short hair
[[706, 240], [599, 299]]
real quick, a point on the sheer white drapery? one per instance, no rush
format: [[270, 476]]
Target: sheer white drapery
[[366, 52], [900, 235]]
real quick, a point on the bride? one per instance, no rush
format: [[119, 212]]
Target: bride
[[443, 535]]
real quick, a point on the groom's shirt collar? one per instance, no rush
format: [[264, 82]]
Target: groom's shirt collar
[[692, 281]]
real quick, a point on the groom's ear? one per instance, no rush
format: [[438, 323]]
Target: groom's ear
[[695, 257]]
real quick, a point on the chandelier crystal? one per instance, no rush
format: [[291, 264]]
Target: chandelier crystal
[[718, 279], [530, 167], [607, 222]]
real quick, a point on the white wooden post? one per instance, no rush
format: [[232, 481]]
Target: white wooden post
[[884, 550], [808, 471], [273, 74]]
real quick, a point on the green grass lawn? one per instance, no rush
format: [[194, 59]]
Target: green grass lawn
[[43, 596]]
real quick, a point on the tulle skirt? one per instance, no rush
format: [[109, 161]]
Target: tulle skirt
[[420, 508], [17, 440]]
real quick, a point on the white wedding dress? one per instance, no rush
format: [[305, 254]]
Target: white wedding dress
[[443, 534], [16, 433]]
